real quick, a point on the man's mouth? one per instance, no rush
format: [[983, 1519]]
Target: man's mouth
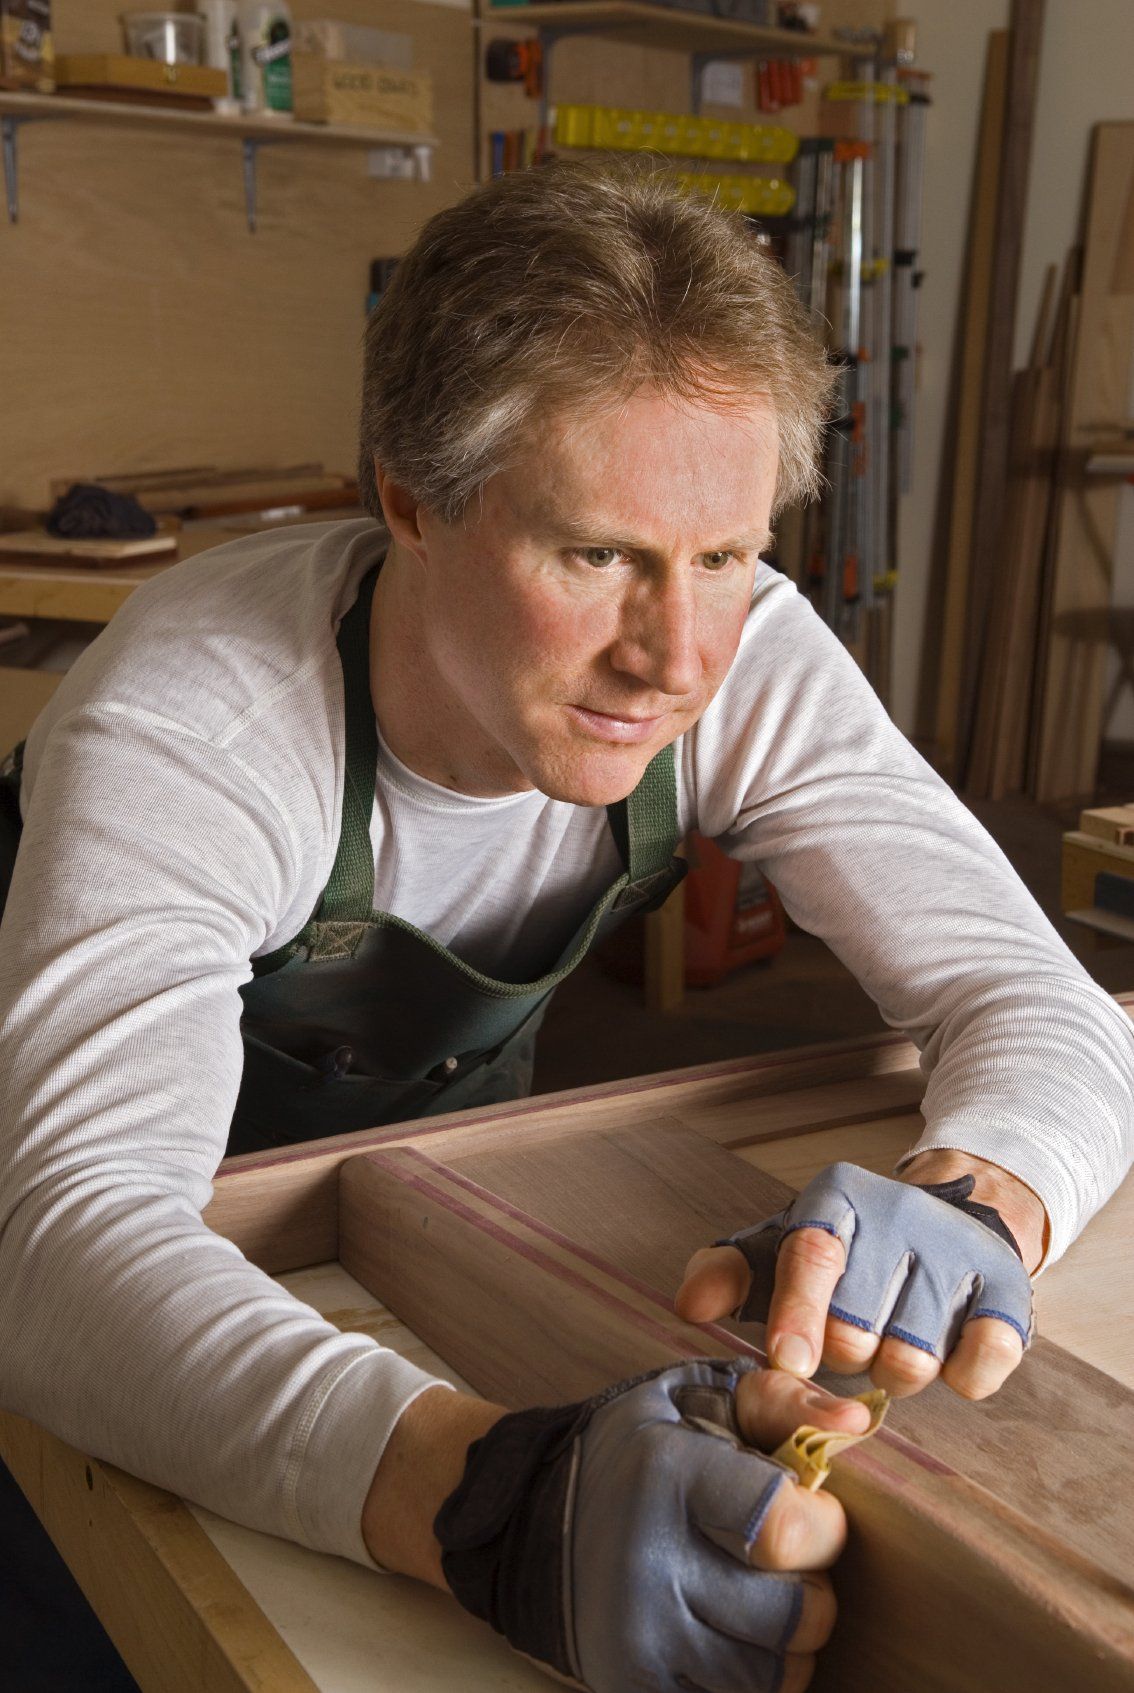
[[608, 726]]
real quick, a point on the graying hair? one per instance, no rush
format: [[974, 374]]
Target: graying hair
[[565, 286]]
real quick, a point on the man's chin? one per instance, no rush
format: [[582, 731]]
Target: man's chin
[[594, 780]]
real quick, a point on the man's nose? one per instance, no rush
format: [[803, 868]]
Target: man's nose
[[657, 641]]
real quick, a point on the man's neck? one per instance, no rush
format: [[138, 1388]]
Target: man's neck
[[421, 719]]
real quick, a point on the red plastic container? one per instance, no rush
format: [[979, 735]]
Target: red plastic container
[[733, 915]]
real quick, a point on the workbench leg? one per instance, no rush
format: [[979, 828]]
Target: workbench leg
[[665, 953]]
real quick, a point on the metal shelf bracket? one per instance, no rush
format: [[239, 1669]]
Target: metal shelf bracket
[[250, 147], [11, 131]]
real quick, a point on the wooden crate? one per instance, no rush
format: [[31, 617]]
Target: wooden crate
[[991, 1545], [372, 96], [127, 71]]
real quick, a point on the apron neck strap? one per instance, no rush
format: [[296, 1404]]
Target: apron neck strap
[[644, 824], [349, 894]]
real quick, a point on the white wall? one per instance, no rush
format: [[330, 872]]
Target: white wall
[[1086, 77]]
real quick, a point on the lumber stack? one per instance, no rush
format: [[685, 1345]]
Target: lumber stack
[[1076, 635], [991, 1546], [1007, 679], [1046, 636]]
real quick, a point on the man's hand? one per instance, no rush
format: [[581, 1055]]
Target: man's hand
[[801, 1332], [573, 1530]]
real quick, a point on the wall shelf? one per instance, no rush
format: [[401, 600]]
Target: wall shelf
[[700, 34], [252, 132], [662, 26]]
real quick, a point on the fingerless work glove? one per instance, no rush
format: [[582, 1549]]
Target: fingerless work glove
[[920, 1260], [609, 1539]]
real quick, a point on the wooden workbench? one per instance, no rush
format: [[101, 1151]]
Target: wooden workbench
[[31, 589], [193, 1601]]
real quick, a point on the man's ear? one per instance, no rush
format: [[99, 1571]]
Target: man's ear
[[402, 513]]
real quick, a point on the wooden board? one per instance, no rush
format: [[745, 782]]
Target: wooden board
[[527, 1313], [998, 763], [1083, 858], [177, 1613], [1076, 638], [965, 454], [61, 549], [991, 473]]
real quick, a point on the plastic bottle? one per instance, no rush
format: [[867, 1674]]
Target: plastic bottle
[[222, 48], [265, 33]]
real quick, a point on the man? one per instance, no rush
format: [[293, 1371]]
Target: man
[[307, 845]]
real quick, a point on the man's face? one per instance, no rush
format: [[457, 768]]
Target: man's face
[[587, 613]]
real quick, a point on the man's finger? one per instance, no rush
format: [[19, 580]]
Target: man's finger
[[903, 1369], [771, 1405], [797, 1674], [816, 1616], [716, 1282], [801, 1531], [810, 1262], [983, 1359], [846, 1349]]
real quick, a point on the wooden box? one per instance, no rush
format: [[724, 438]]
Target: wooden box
[[129, 74], [369, 96], [536, 1247]]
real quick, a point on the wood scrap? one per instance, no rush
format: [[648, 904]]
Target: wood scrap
[[952, 1579], [1024, 38], [1076, 637], [201, 494], [36, 546], [998, 764], [965, 453]]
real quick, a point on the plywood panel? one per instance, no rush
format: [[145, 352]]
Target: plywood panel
[[153, 330]]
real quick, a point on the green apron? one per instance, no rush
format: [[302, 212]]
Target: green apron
[[363, 1019]]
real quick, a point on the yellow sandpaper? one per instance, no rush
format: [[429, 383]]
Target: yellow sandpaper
[[811, 1451]]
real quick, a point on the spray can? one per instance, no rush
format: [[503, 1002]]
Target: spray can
[[265, 33], [222, 48]]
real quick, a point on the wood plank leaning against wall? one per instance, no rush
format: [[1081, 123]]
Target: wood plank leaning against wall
[[145, 327]]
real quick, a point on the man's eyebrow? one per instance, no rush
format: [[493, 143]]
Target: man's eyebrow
[[597, 534]]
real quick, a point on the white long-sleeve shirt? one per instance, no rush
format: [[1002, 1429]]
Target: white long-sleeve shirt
[[182, 797]]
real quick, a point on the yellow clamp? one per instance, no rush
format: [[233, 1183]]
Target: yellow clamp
[[876, 93], [811, 1451]]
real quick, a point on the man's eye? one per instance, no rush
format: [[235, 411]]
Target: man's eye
[[599, 557], [716, 561]]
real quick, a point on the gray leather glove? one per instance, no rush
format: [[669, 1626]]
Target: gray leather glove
[[920, 1260], [609, 1540]]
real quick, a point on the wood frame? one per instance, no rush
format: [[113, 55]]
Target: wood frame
[[530, 1315], [167, 1598]]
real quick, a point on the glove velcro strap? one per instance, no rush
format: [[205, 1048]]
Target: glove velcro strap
[[502, 1530], [956, 1193]]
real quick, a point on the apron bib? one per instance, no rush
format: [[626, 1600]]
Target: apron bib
[[364, 1019]]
